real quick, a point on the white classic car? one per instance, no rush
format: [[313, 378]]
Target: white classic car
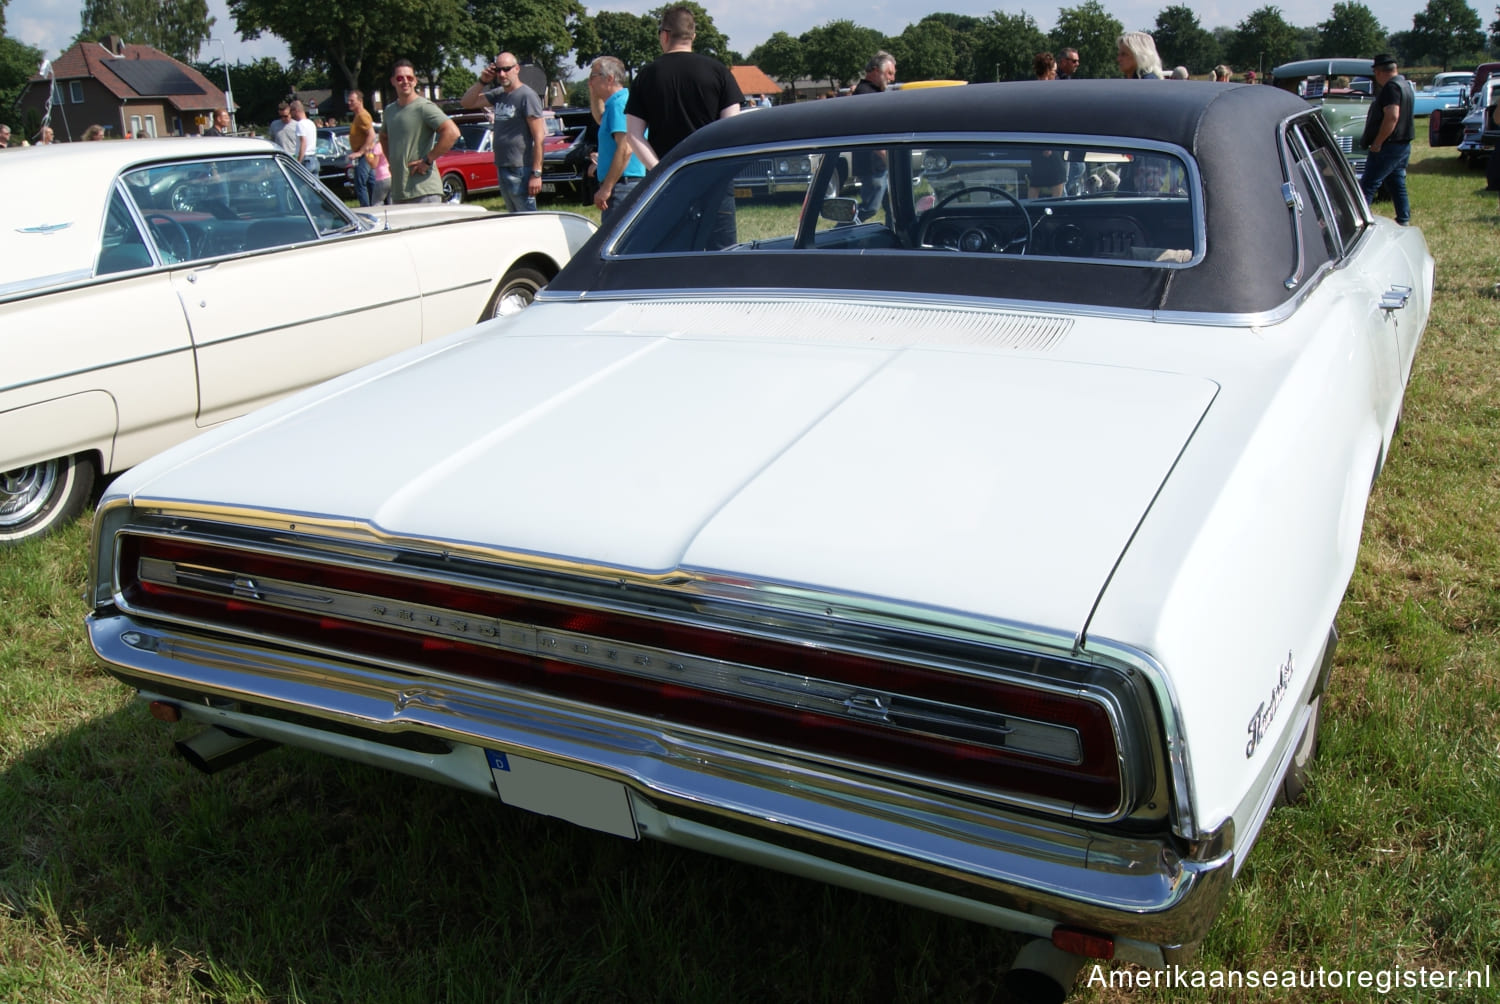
[[158, 287], [983, 554]]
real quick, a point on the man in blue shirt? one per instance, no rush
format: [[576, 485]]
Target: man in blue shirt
[[618, 168]]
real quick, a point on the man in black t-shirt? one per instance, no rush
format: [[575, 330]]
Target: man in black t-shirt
[[679, 93], [675, 96], [1388, 135]]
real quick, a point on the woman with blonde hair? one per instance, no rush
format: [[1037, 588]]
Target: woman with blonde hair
[[1137, 56], [93, 132]]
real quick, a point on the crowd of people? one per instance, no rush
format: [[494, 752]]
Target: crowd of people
[[681, 92]]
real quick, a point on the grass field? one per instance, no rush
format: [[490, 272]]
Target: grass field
[[127, 876]]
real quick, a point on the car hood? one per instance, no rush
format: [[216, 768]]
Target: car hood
[[999, 483]]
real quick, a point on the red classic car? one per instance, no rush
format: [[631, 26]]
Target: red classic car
[[469, 168]]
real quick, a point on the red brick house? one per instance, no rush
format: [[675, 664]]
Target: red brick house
[[129, 89]]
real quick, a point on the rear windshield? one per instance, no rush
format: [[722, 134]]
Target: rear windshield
[[1081, 201]]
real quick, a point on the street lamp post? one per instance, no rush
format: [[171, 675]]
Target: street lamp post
[[228, 87]]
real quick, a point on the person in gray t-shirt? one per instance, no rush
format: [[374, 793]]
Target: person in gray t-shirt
[[518, 132]]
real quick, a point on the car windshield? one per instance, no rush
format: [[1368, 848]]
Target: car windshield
[[471, 135], [1092, 201]]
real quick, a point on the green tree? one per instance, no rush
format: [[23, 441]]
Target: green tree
[[1094, 32], [925, 51], [1264, 39], [536, 31], [1444, 29], [177, 27], [18, 61], [1351, 27], [630, 38], [839, 50], [258, 86], [781, 57], [356, 41], [965, 30], [1006, 44], [456, 79], [710, 41], [1182, 41]]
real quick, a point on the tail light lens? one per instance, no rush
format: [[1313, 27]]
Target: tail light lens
[[1049, 744]]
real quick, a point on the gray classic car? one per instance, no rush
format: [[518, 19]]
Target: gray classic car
[[984, 556]]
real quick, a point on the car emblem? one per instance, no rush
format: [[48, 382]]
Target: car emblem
[[44, 228], [1260, 722]]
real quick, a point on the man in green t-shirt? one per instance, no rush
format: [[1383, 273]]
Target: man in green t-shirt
[[416, 134]]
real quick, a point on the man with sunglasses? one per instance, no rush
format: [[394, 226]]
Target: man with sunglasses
[[519, 131], [416, 134]]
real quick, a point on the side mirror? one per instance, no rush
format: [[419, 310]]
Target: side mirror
[[839, 210]]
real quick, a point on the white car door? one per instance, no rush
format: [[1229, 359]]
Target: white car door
[[280, 287]]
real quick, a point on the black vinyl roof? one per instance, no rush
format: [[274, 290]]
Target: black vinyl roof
[[1231, 130]]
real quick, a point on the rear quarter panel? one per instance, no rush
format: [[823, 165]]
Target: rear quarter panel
[[1237, 572], [69, 351]]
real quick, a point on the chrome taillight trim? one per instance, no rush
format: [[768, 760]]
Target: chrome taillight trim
[[891, 708], [776, 612]]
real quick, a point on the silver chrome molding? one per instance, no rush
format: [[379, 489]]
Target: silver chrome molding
[[758, 610]]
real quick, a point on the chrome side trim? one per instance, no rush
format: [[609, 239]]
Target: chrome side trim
[[1137, 887], [113, 364]]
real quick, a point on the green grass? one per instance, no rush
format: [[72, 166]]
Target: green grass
[[126, 876]]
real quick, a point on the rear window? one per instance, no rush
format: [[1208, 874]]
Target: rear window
[[1041, 198]]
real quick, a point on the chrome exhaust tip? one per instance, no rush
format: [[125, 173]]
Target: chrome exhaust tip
[[1042, 973], [215, 748]]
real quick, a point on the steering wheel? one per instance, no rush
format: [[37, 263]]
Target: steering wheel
[[170, 236], [976, 239]]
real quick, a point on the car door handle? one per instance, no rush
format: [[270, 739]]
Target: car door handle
[[1395, 298]]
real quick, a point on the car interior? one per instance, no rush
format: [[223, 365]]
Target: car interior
[[1063, 201]]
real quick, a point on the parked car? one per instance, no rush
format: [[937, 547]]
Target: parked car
[[1479, 134], [572, 137], [155, 289], [333, 156], [1345, 108], [468, 169], [985, 557], [1447, 90], [1445, 127]]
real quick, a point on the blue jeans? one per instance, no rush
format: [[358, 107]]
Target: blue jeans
[[872, 188], [311, 163], [513, 182], [622, 188], [364, 177], [1389, 162]]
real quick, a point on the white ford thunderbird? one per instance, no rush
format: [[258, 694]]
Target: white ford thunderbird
[[981, 550], [152, 289]]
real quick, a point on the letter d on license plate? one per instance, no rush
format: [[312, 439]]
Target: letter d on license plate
[[568, 794]]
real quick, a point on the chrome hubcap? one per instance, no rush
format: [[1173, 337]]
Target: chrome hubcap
[[25, 490]]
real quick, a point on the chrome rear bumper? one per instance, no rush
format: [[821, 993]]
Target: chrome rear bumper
[[703, 791]]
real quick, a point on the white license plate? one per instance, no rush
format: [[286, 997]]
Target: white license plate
[[568, 794], [548, 186]]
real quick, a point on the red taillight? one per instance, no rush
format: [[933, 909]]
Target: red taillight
[[979, 732]]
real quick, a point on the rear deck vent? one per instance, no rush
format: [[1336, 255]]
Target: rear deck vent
[[842, 322]]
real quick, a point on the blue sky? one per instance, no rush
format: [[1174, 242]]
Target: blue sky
[[51, 24]]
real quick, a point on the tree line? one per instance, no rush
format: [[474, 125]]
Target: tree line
[[352, 43]]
